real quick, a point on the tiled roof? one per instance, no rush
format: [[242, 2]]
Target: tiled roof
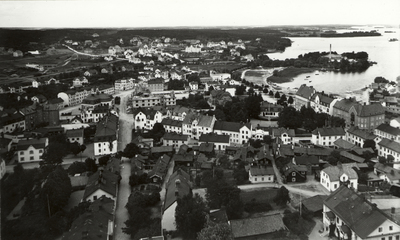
[[357, 213], [183, 158], [270, 107], [206, 147], [249, 227], [313, 151], [390, 144], [171, 122], [175, 136], [229, 126], [334, 131], [177, 186], [280, 131], [314, 203], [108, 182], [162, 149], [107, 127], [305, 91], [161, 167], [261, 171], [344, 104], [306, 159], [359, 151], [36, 143], [361, 133], [352, 157], [391, 173], [214, 138], [74, 133], [341, 143], [323, 98], [369, 110], [205, 121], [384, 127], [335, 172]]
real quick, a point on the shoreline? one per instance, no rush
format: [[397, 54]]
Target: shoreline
[[288, 74]]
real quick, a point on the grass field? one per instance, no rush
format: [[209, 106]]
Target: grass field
[[287, 74]]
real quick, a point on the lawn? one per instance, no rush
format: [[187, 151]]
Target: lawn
[[262, 197], [252, 73], [287, 74]]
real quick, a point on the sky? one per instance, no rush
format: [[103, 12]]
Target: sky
[[195, 13]]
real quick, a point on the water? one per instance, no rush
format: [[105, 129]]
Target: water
[[380, 50]]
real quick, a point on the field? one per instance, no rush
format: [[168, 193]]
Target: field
[[287, 74]]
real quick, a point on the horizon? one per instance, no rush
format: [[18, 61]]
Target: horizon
[[152, 14]]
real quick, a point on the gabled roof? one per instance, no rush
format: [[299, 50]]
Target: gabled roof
[[171, 122], [352, 157], [248, 227], [229, 126], [290, 167], [305, 91], [206, 147], [36, 143], [390, 144], [341, 143], [369, 110], [205, 121], [361, 133], [183, 158], [356, 212], [261, 171], [74, 133], [162, 149], [177, 186], [103, 180], [107, 127], [161, 167], [384, 127], [334, 131], [325, 100], [175, 136], [344, 104], [335, 172], [214, 138], [280, 131], [391, 173], [314, 203], [306, 159]]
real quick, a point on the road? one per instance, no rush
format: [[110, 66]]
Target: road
[[124, 137]]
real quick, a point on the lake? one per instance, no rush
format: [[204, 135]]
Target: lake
[[380, 50]]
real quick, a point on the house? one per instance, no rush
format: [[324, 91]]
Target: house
[[93, 114], [124, 84], [343, 144], [193, 85], [106, 136], [314, 204], [11, 120], [387, 131], [333, 177], [295, 173], [39, 99], [220, 141], [261, 174], [196, 124], [160, 169], [5, 145], [101, 183], [156, 85], [207, 149], [358, 136], [284, 136], [178, 112], [321, 103], [31, 150], [171, 125], [270, 110], [366, 117], [348, 215], [145, 100], [327, 136], [257, 227], [184, 159], [169, 150], [303, 96], [175, 139], [311, 162], [145, 118], [177, 187], [75, 135], [18, 53], [387, 173], [388, 147], [96, 223], [238, 133]]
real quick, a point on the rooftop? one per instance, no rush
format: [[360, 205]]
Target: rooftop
[[248, 227]]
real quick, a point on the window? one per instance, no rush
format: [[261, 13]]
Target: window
[[262, 179], [22, 159], [31, 158], [390, 228], [397, 237], [40, 151], [380, 229], [31, 152], [293, 174], [255, 179], [383, 238], [390, 238], [293, 179], [94, 197], [22, 152], [335, 186]]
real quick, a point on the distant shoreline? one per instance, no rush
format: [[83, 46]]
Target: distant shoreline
[[288, 74]]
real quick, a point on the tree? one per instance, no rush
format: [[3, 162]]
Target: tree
[[250, 91], [267, 139], [54, 154], [77, 168], [277, 95], [289, 118], [290, 100], [103, 160], [57, 190], [91, 165], [75, 148], [271, 93], [282, 196], [240, 174], [240, 90], [215, 231], [131, 150], [252, 105], [190, 215], [369, 143]]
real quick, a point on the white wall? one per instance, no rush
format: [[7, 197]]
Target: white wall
[[26, 155], [99, 193], [104, 148], [168, 218]]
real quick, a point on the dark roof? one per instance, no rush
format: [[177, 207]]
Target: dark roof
[[313, 151], [177, 186], [344, 104], [74, 133], [206, 147], [175, 136], [162, 149], [341, 143], [214, 138], [295, 168], [161, 167], [359, 151], [334, 131], [315, 203], [352, 156], [156, 81], [183, 158], [390, 144], [229, 126], [218, 216], [107, 127], [36, 143], [171, 122], [306, 159], [4, 142], [391, 173], [97, 98], [248, 227], [256, 171], [369, 110], [384, 127], [271, 107], [357, 213], [325, 100], [305, 91], [55, 101], [360, 133], [104, 180]]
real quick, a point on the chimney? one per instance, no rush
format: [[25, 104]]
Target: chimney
[[393, 210]]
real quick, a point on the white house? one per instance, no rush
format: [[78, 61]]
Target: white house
[[75, 135], [327, 136], [193, 85], [333, 177], [146, 118], [284, 135], [321, 103], [106, 136], [197, 124], [175, 139], [388, 147], [348, 215], [387, 173], [101, 183], [31, 150], [238, 133], [387, 131], [358, 136], [171, 125], [261, 174]]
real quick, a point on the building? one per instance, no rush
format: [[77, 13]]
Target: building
[[11, 120], [177, 187], [321, 103], [220, 141], [175, 139], [74, 97], [2, 168], [258, 227], [145, 101], [366, 117], [238, 133], [196, 124], [261, 174], [178, 112], [98, 99], [358, 136], [171, 125], [387, 131], [333, 177], [303, 96], [270, 110], [124, 84], [145, 118], [106, 136], [387, 173], [348, 215], [160, 169], [31, 150], [284, 136], [93, 114], [388, 147], [75, 135], [327, 136], [156, 85], [101, 183], [295, 173]]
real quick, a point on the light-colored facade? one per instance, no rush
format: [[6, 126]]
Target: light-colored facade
[[261, 175], [31, 150], [327, 136], [388, 147], [333, 176]]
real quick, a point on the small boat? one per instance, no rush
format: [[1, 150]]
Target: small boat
[[310, 81], [393, 40], [307, 76]]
